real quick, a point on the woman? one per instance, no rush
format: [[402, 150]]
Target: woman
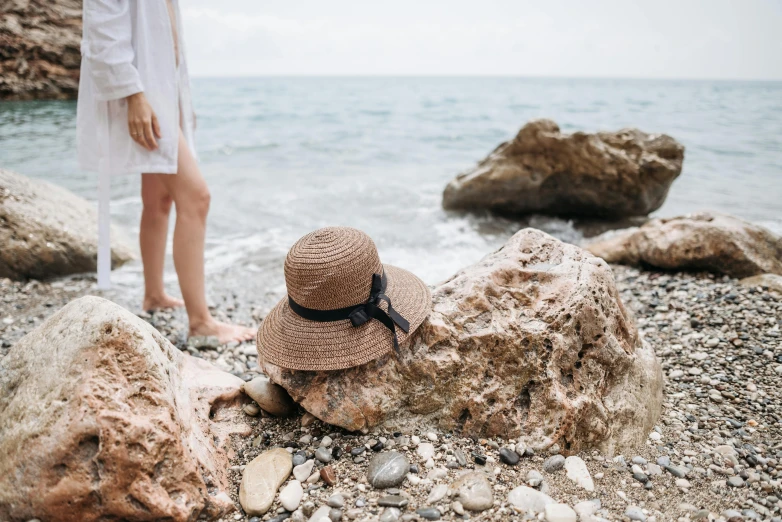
[[135, 116]]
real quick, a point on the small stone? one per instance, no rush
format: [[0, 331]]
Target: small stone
[[527, 499], [677, 471], [251, 409], [270, 397], [437, 494], [299, 458], [328, 475], [635, 513], [461, 458], [578, 473], [308, 420], [560, 513], [509, 457], [429, 513], [479, 459], [554, 463], [390, 514], [425, 450], [437, 474], [336, 500], [457, 507], [641, 477], [474, 491], [396, 501], [736, 482], [534, 478], [335, 515], [320, 514], [261, 479], [664, 461], [323, 455], [291, 494], [303, 471], [387, 470], [377, 446], [432, 436], [639, 461], [326, 441], [279, 518], [683, 483]]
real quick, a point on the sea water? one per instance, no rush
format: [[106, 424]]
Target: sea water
[[284, 156]]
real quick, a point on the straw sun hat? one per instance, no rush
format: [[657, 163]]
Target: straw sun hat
[[344, 307]]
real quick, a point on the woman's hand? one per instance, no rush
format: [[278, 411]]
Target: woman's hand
[[142, 122]]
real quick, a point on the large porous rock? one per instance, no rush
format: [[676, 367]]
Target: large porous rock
[[48, 231], [531, 342], [101, 418], [708, 241], [543, 171], [40, 49]]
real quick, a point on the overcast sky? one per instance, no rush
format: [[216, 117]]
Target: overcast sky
[[731, 39]]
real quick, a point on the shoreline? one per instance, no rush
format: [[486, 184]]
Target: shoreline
[[720, 346]]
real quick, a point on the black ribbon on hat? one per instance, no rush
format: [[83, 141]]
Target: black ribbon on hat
[[362, 313]]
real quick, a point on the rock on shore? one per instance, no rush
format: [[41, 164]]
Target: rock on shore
[[543, 171], [102, 418], [47, 231], [710, 241], [531, 341], [40, 49]]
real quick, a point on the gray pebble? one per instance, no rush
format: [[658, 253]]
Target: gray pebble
[[387, 469], [396, 501], [635, 513], [390, 515], [335, 514], [323, 454], [736, 482], [555, 463], [429, 513], [336, 501]]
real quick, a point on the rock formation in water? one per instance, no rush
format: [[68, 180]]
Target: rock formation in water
[[40, 49], [47, 231], [101, 418], [710, 241], [531, 341], [543, 171]]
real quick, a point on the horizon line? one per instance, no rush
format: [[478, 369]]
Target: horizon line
[[479, 76]]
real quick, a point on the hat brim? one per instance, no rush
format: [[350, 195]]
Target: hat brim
[[290, 341]]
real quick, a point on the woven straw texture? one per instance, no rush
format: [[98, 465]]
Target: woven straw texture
[[332, 268]]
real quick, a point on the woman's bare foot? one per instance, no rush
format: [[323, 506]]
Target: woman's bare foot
[[164, 301], [225, 332]]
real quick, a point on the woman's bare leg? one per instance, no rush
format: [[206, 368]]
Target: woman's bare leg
[[191, 197], [152, 238]]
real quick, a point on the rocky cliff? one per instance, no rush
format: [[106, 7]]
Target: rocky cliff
[[39, 49]]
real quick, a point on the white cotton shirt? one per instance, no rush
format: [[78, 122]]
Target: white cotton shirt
[[128, 47]]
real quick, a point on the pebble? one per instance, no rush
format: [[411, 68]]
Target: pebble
[[390, 514], [676, 471], [534, 478], [474, 491], [635, 513], [429, 513], [461, 458], [335, 515], [432, 436], [261, 479], [577, 472], [682, 483], [320, 514], [323, 455], [251, 409], [554, 463], [303, 471], [509, 457], [387, 469], [396, 501], [560, 513], [425, 450], [291, 494], [528, 499], [270, 397], [736, 482], [336, 500], [437, 494], [328, 475], [326, 441]]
